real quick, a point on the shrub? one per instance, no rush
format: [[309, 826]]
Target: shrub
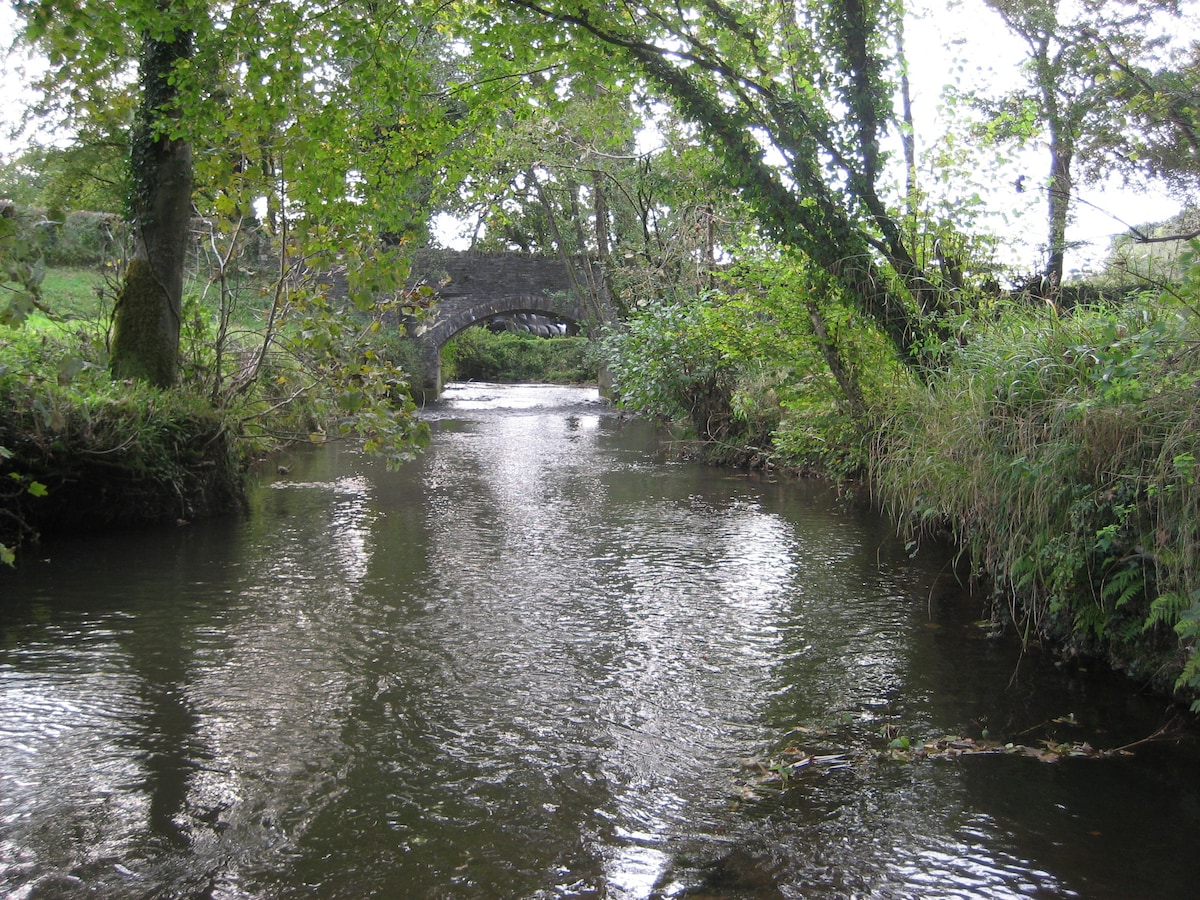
[[85, 239], [746, 373], [668, 363]]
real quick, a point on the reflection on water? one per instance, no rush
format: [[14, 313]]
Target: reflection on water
[[534, 663]]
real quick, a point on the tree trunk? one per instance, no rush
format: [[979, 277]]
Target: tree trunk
[[145, 344], [589, 295], [908, 131], [1059, 205], [600, 209], [842, 373]]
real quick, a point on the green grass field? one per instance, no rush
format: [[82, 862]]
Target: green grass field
[[74, 293]]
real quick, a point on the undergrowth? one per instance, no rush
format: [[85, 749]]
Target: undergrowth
[[114, 455], [744, 375], [1060, 451], [260, 368], [477, 354]]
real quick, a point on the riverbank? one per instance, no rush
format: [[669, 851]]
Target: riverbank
[[1056, 448], [81, 452], [111, 458], [1059, 451]]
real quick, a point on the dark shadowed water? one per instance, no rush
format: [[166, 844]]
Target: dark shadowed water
[[546, 661]]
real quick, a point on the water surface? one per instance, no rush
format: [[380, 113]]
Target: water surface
[[547, 660]]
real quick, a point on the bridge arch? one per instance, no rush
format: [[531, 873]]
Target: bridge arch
[[472, 287], [433, 333]]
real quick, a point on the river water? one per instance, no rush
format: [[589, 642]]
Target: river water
[[547, 660]]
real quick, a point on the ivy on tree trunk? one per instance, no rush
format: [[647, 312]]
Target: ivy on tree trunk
[[145, 344], [722, 78]]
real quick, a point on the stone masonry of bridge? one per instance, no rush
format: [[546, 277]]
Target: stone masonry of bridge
[[472, 287]]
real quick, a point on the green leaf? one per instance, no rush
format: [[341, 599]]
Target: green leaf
[[20, 306], [351, 401], [70, 366]]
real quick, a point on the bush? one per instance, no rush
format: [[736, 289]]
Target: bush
[[79, 238], [667, 363], [84, 239], [477, 354], [744, 373]]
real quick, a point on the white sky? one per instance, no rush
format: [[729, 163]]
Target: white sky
[[14, 95], [966, 42]]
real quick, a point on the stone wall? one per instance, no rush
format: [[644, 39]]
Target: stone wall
[[459, 274]]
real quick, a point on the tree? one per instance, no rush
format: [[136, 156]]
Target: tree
[[542, 182], [326, 115], [1086, 80], [91, 174], [149, 308], [1163, 112], [23, 178], [87, 44], [798, 101], [566, 175]]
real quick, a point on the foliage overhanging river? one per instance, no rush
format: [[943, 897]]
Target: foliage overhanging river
[[534, 663]]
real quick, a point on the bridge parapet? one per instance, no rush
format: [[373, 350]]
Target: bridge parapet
[[458, 273]]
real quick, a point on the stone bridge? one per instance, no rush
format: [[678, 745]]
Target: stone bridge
[[472, 287]]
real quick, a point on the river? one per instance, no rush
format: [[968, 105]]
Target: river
[[545, 660]]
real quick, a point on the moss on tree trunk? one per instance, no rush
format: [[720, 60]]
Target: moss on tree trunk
[[145, 344]]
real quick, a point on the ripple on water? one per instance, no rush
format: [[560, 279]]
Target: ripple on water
[[531, 664]]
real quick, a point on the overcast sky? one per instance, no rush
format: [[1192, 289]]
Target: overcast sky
[[968, 41]]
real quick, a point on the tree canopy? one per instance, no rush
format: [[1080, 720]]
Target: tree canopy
[[1102, 91], [344, 126], [797, 101], [322, 117]]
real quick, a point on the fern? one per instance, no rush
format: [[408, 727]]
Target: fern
[[1168, 607], [1127, 582], [1092, 618], [1188, 629]]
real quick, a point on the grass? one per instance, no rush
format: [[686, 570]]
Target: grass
[[1061, 452], [75, 293]]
